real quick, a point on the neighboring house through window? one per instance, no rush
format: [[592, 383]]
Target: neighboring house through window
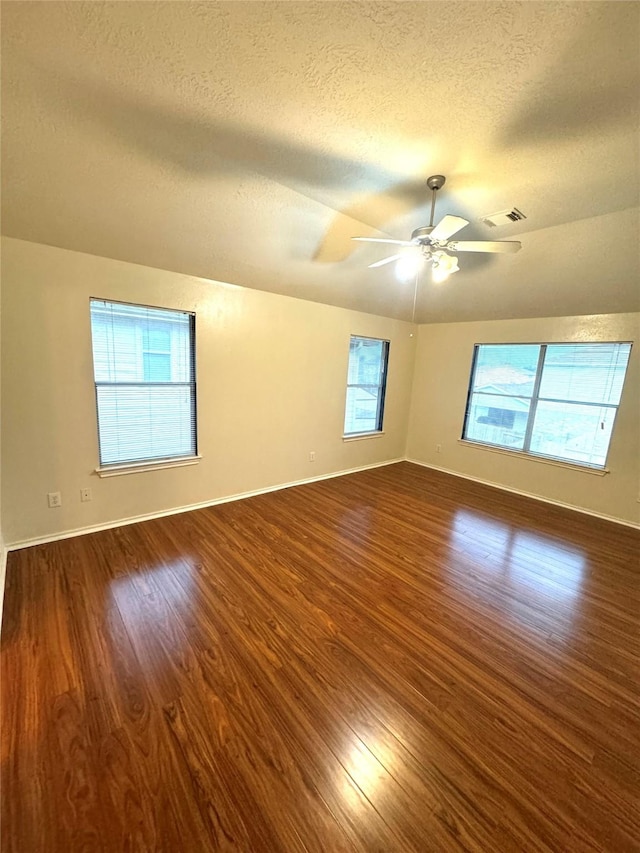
[[144, 369], [366, 384], [557, 401], [156, 352]]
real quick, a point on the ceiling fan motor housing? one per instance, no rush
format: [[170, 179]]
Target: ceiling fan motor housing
[[436, 182], [421, 235]]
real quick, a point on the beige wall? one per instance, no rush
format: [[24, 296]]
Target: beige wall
[[271, 376], [271, 388], [441, 378]]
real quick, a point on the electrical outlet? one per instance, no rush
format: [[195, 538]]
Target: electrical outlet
[[312, 456], [438, 448], [55, 499], [85, 495]]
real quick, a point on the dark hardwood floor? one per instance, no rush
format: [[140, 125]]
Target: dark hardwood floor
[[394, 660]]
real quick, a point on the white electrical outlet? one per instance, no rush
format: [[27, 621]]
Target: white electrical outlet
[[312, 456], [438, 448], [85, 495], [55, 499]]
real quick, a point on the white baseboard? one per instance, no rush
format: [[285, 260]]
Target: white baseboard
[[121, 522], [3, 576], [527, 494]]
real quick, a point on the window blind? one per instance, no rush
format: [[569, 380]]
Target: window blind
[[144, 369]]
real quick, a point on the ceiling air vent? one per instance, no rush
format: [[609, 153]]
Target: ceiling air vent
[[503, 217]]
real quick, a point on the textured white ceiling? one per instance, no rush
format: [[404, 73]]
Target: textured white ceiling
[[248, 141]]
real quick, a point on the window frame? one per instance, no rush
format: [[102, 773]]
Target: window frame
[[381, 386], [107, 469], [535, 399]]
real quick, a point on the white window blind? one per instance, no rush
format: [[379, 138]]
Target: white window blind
[[366, 384], [144, 369], [553, 400]]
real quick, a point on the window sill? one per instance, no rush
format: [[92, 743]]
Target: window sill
[[573, 466], [358, 436], [151, 465]]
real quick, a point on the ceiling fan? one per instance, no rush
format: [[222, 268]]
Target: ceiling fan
[[434, 243]]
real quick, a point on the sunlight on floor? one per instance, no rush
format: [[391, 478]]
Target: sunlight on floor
[[533, 579]]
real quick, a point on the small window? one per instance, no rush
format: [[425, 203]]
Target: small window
[[366, 382], [144, 369], [558, 401]]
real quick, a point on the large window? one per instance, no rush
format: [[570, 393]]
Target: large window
[[366, 381], [553, 400], [144, 368]]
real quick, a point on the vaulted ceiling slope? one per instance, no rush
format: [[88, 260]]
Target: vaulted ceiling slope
[[248, 141]]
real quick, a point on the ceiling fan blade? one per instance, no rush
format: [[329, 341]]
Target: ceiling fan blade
[[384, 240], [501, 247], [447, 227], [385, 261]]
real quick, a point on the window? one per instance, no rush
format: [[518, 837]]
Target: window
[[366, 382], [144, 368], [558, 401], [156, 354]]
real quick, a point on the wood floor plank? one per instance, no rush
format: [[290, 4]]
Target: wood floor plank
[[394, 660]]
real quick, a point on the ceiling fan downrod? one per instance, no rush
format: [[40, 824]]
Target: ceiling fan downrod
[[435, 183]]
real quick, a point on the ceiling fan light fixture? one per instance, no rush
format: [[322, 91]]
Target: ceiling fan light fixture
[[443, 266], [409, 265], [439, 274]]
